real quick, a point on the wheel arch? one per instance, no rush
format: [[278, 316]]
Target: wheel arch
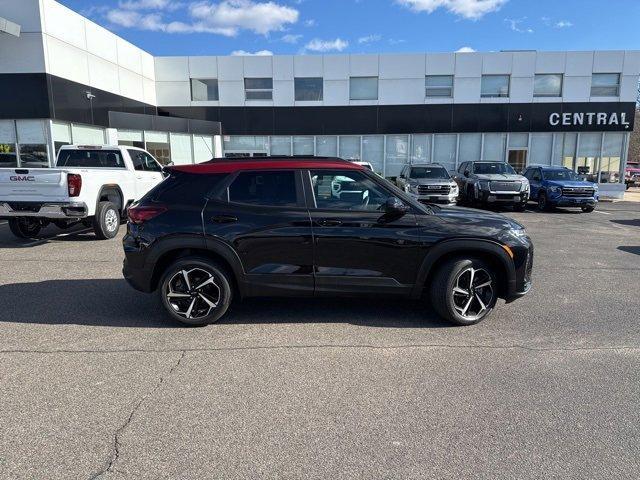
[[111, 193], [491, 252]]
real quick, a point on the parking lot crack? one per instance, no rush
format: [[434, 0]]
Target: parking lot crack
[[117, 442]]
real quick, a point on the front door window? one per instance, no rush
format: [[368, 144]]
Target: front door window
[[346, 190]]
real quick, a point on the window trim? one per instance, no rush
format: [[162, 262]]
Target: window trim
[[546, 95], [223, 193], [482, 95]]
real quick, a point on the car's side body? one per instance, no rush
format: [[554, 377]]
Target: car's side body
[[306, 248], [558, 187]]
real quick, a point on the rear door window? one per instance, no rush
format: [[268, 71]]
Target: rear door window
[[90, 159], [267, 188]]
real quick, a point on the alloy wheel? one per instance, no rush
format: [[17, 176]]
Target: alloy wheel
[[111, 220], [473, 293], [193, 294]]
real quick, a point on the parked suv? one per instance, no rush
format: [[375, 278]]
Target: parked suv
[[560, 187], [492, 183], [315, 227], [429, 182]]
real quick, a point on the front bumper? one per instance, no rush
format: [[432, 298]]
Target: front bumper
[[434, 198], [43, 210], [573, 201], [503, 198]]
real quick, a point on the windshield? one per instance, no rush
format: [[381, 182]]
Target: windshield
[[559, 175], [428, 172], [90, 158], [493, 168]]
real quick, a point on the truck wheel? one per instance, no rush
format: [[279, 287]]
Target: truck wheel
[[543, 204], [464, 291], [106, 221], [195, 291], [588, 209], [25, 227]]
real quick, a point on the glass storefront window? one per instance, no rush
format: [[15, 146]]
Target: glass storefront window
[[8, 157], [326, 146], [444, 151], [61, 133], [421, 149], [86, 135], [303, 146], [518, 140], [397, 154], [32, 140], [569, 149], [373, 151], [180, 148], [494, 146], [202, 148], [157, 144], [540, 152], [246, 144], [588, 161], [470, 145], [611, 157], [558, 142], [33, 155], [350, 148], [280, 146], [130, 138]]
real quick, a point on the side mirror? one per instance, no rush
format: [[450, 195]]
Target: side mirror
[[170, 164], [395, 207], [466, 173]]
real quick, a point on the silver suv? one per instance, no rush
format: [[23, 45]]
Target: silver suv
[[428, 182], [492, 183]]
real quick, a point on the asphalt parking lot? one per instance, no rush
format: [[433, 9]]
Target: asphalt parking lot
[[95, 380]]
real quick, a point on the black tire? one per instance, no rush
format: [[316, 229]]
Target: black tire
[[519, 207], [25, 227], [106, 221], [444, 299], [543, 203], [469, 197], [218, 291], [588, 209]]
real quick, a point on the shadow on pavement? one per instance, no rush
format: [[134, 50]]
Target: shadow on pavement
[[112, 303], [634, 250], [49, 234], [629, 223]]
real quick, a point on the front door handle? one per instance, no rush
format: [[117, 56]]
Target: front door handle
[[325, 222], [224, 219]]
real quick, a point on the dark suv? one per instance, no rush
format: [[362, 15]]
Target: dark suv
[[315, 227]]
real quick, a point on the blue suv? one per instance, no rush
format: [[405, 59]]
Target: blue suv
[[560, 187]]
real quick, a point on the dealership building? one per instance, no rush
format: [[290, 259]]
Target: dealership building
[[65, 79]]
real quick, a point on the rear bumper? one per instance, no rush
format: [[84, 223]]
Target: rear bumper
[[43, 210], [139, 279]]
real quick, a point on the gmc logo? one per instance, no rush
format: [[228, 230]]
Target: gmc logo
[[22, 178]]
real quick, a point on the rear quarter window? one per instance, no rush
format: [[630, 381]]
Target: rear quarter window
[[90, 159], [184, 188]]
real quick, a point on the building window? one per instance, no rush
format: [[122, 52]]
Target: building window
[[439, 86], [204, 89], [548, 85], [327, 146], [350, 148], [303, 146], [258, 88], [280, 146], [363, 88], [605, 85], [495, 86], [308, 89]]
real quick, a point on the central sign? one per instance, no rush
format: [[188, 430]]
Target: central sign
[[578, 119]]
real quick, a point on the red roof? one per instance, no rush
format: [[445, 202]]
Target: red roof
[[225, 165]]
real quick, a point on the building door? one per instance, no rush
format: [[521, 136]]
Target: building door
[[518, 159]]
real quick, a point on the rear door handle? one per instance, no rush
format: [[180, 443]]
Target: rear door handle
[[224, 219], [328, 223]]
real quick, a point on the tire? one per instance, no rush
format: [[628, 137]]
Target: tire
[[25, 227], [588, 209], [198, 270], [543, 203], [456, 273], [519, 207], [469, 197], [106, 221]]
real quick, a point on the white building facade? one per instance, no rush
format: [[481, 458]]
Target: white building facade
[[556, 108]]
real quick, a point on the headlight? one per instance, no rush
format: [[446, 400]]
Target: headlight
[[555, 190], [454, 189], [483, 184], [518, 232], [525, 186]]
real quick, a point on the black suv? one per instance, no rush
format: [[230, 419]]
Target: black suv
[[315, 227]]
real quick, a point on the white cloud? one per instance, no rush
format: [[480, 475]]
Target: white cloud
[[563, 24], [236, 15], [124, 18], [291, 38], [150, 5], [310, 23], [471, 9], [370, 39], [465, 50], [317, 45], [259, 53], [515, 25]]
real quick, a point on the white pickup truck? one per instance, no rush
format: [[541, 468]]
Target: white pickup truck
[[90, 184]]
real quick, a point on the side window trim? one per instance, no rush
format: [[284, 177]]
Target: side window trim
[[225, 196]]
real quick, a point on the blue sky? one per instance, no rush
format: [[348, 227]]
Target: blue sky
[[221, 27]]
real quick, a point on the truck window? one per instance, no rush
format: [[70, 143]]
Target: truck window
[[90, 159], [136, 159], [144, 161]]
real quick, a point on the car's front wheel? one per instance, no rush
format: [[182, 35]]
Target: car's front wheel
[[195, 291], [588, 209], [464, 291]]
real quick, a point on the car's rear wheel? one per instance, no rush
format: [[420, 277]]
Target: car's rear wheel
[[106, 221], [464, 291], [195, 291], [25, 227]]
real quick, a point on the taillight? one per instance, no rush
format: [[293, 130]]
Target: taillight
[[142, 213], [74, 184]]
